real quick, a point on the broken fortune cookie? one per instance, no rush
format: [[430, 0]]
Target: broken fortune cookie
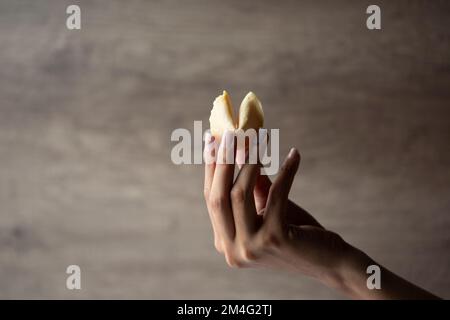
[[222, 117]]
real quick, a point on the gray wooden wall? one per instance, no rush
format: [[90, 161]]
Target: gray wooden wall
[[86, 117]]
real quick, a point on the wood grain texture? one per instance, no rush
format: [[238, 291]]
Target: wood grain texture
[[86, 117]]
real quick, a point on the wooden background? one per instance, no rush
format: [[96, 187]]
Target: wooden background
[[86, 118]]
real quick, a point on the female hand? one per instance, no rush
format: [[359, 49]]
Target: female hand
[[256, 225]]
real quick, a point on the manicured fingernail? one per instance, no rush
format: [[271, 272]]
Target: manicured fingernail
[[292, 153], [289, 161], [208, 137]]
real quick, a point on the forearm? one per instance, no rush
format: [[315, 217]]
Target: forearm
[[351, 280]]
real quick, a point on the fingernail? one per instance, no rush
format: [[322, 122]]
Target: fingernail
[[209, 141], [292, 153], [289, 161], [208, 137]]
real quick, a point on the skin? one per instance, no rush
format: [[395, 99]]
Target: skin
[[256, 225]]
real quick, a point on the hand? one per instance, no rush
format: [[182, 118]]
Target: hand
[[256, 225]]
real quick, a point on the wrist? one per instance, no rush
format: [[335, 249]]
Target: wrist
[[350, 277]]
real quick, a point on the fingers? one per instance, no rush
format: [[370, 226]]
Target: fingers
[[263, 183], [252, 153], [210, 163], [243, 202], [279, 191], [219, 197], [210, 166]]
